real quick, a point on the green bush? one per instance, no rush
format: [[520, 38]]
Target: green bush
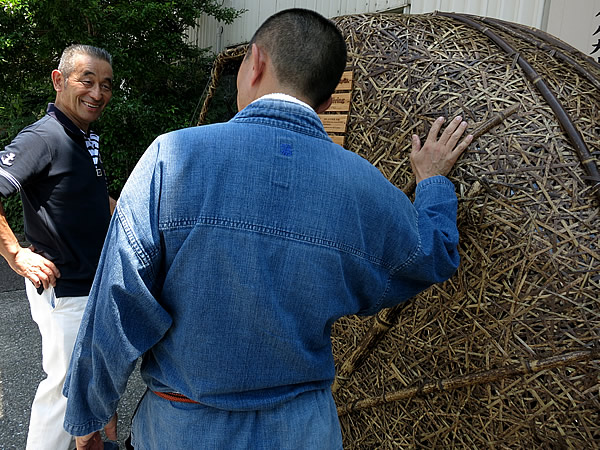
[[158, 77]]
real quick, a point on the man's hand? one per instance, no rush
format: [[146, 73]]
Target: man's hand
[[93, 441], [438, 156], [41, 271]]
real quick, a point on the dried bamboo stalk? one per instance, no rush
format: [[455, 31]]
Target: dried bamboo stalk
[[383, 321], [231, 55], [483, 377]]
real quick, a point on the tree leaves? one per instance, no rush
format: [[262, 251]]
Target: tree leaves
[[159, 76]]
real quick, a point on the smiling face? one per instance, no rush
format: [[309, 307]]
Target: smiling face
[[84, 93]]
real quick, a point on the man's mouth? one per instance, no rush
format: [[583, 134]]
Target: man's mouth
[[90, 105]]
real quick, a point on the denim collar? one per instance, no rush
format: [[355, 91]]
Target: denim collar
[[283, 114]]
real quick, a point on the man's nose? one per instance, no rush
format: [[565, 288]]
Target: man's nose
[[96, 92]]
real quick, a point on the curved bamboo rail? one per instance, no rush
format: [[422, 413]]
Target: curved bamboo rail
[[535, 78], [539, 43]]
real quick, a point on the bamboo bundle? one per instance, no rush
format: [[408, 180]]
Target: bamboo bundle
[[505, 353]]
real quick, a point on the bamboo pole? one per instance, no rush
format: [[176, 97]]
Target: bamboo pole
[[472, 379], [542, 45], [534, 77], [542, 35]]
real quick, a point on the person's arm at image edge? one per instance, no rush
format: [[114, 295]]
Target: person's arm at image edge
[[25, 262]]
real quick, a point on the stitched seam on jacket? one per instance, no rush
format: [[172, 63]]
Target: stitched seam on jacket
[[273, 231], [144, 257], [285, 126], [413, 254]]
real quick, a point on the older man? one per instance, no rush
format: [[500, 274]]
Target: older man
[[55, 165]]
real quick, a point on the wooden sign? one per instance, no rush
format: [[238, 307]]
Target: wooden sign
[[335, 119], [340, 102], [345, 83], [339, 140], [334, 123]]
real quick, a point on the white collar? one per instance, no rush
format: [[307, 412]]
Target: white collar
[[285, 97]]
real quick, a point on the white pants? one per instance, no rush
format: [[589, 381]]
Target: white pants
[[58, 320]]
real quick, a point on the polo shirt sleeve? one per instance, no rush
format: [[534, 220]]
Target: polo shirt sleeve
[[22, 160]]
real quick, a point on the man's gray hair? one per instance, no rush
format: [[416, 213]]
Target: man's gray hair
[[67, 60]]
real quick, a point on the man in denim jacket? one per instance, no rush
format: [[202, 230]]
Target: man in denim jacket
[[234, 248]]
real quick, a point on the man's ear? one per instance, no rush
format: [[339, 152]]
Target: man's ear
[[258, 63], [324, 106], [57, 80]]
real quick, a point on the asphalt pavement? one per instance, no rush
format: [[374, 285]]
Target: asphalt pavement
[[21, 366]]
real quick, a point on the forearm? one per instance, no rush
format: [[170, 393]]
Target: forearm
[[34, 267], [9, 244], [437, 204], [110, 339]]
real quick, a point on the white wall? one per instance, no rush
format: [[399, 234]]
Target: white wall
[[573, 21], [209, 33], [527, 12]]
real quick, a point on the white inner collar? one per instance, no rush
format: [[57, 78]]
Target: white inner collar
[[286, 97]]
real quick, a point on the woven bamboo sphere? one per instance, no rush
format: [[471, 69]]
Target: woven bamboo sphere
[[506, 353]]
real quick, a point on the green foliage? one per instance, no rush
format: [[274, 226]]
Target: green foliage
[[14, 213], [159, 77]]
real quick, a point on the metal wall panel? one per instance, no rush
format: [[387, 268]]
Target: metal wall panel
[[573, 21], [527, 12], [209, 33], [520, 11], [576, 22]]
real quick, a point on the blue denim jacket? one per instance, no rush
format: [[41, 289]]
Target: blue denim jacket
[[234, 248]]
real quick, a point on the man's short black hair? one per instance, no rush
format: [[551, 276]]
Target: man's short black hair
[[308, 52]]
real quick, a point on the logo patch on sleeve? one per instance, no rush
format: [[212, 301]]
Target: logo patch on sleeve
[[8, 159]]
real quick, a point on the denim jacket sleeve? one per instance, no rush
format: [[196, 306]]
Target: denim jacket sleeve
[[122, 318], [436, 257]]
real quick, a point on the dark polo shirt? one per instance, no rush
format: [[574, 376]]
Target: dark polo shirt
[[64, 194]]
